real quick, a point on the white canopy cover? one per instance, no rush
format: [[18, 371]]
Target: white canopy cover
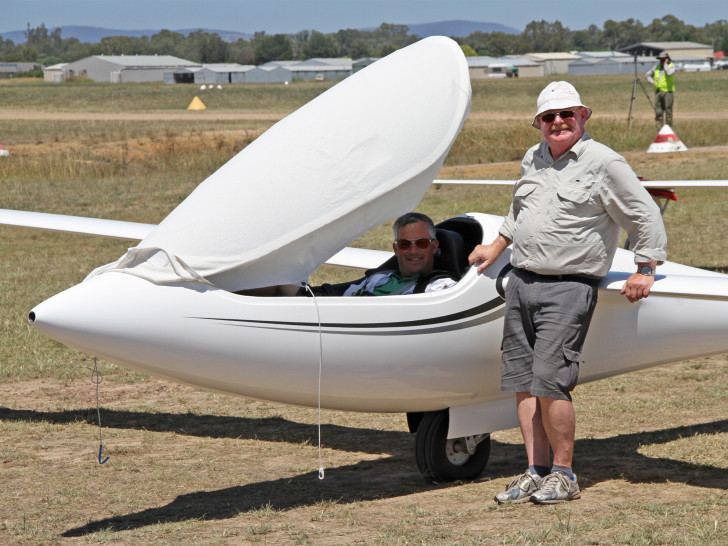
[[362, 153]]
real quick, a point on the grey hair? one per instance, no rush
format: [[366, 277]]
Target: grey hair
[[413, 218]]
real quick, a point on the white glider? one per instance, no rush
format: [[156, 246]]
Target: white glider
[[358, 155]]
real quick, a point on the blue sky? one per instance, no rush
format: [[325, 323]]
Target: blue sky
[[275, 16]]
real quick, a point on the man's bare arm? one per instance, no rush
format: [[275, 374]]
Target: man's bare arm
[[638, 286], [485, 255]]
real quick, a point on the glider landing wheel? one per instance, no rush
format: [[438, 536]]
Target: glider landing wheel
[[440, 459]]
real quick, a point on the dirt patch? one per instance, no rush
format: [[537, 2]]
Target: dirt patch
[[191, 465], [210, 115], [639, 161], [213, 115]]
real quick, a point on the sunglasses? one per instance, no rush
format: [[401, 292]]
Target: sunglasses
[[551, 116], [405, 244]]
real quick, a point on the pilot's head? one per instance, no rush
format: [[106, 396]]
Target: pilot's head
[[414, 244]]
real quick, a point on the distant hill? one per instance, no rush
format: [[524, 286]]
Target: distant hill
[[94, 35], [458, 29]]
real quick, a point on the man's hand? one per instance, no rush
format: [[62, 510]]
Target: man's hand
[[637, 287], [485, 255]]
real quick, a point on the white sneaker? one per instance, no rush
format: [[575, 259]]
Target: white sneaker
[[520, 489], [556, 487]]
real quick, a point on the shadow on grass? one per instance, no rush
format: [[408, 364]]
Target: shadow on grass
[[599, 460], [268, 429], [618, 457], [363, 481]]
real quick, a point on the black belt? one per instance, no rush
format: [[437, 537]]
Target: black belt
[[586, 279]]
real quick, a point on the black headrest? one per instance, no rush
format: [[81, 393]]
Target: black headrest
[[451, 256]]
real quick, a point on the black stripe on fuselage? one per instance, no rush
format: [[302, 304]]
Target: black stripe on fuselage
[[473, 311]]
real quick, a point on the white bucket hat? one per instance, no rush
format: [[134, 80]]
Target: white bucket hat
[[558, 96]]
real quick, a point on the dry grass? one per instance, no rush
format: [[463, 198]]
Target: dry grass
[[193, 466], [190, 466]]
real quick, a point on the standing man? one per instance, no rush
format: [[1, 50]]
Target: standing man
[[573, 197], [662, 76]]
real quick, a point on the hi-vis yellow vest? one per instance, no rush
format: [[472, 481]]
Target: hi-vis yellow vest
[[663, 82]]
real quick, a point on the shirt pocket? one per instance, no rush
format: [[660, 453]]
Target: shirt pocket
[[524, 198], [575, 205], [572, 195]]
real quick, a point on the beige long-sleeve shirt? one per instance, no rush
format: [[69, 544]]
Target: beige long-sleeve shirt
[[566, 215]]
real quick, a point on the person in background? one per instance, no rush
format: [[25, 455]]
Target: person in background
[[662, 76]]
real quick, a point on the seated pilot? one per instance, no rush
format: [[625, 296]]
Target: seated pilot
[[415, 246]]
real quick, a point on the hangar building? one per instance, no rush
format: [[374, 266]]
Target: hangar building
[[213, 73], [687, 56], [126, 68], [675, 49], [609, 62]]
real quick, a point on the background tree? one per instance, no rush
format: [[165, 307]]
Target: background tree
[[585, 40], [204, 47], [544, 36], [122, 45], [321, 45], [48, 47], [468, 51], [273, 48], [617, 35], [166, 42], [298, 44], [354, 43], [389, 38], [717, 33], [358, 50], [241, 52], [668, 29]]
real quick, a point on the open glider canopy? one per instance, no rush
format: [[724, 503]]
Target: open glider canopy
[[360, 154]]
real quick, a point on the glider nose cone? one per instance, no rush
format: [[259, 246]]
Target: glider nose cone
[[49, 316], [69, 317]]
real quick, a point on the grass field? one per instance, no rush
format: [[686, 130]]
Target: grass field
[[190, 466]]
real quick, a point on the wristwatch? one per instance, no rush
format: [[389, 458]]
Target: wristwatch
[[646, 270]]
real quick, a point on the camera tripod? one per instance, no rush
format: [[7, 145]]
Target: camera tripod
[[634, 95]]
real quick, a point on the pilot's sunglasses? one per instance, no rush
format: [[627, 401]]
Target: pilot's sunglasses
[[565, 114], [405, 244]]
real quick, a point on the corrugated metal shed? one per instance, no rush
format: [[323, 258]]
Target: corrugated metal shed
[[624, 64], [358, 64], [526, 67], [485, 67], [11, 69], [600, 54], [482, 61], [312, 72], [316, 69], [675, 49], [269, 74], [127, 68], [340, 62], [222, 73], [554, 63], [55, 73], [8, 70]]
